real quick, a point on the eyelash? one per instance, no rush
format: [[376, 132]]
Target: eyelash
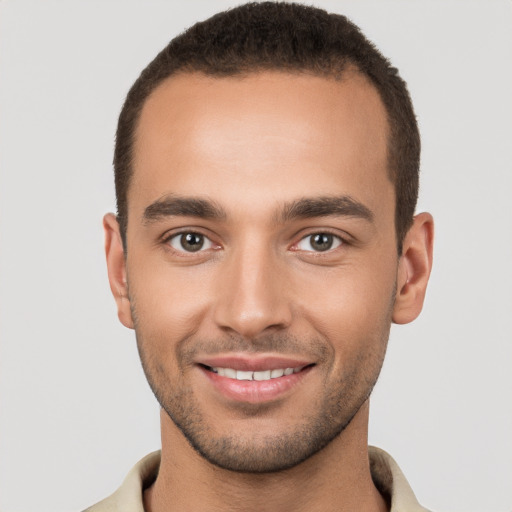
[[168, 240], [337, 241]]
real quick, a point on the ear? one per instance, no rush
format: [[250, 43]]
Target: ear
[[116, 265], [414, 269]]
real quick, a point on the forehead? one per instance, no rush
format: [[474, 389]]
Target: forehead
[[271, 131]]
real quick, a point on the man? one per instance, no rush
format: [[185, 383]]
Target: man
[[266, 176]]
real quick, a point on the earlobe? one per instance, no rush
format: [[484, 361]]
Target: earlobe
[[116, 266], [414, 269]]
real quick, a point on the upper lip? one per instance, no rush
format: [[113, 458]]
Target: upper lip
[[251, 362]]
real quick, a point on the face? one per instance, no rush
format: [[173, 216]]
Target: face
[[261, 260]]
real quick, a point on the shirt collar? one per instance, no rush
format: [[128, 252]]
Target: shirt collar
[[387, 477]]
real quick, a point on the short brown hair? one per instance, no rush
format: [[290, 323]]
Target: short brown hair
[[286, 37]]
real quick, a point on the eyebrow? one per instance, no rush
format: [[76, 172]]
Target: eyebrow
[[171, 206], [325, 206], [305, 208]]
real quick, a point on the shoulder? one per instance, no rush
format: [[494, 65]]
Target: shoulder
[[129, 497], [391, 482]]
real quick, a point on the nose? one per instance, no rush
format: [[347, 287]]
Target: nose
[[253, 298]]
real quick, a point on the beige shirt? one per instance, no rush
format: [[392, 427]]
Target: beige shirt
[[386, 474]]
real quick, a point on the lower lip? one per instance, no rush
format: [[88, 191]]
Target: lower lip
[[254, 391]]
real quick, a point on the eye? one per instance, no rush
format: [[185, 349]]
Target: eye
[[190, 242], [319, 242]]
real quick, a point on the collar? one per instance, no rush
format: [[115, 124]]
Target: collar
[[387, 477]]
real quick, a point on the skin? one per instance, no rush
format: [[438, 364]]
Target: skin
[[251, 147]]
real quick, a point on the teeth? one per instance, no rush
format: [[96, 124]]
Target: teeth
[[259, 376], [230, 373]]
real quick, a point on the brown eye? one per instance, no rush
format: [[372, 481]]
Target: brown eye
[[319, 242], [190, 242]]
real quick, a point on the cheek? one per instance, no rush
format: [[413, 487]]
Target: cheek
[[352, 310], [168, 303]]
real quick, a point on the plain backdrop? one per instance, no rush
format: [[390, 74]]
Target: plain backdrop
[[75, 410]]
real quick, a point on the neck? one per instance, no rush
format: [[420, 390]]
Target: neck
[[335, 479]]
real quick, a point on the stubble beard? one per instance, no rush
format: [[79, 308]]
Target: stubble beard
[[283, 450]]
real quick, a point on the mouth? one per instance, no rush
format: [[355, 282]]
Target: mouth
[[257, 380]]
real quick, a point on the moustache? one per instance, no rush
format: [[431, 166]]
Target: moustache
[[315, 349]]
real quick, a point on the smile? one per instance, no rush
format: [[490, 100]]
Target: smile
[[263, 375], [254, 380]]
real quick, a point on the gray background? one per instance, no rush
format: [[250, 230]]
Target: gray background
[[75, 410]]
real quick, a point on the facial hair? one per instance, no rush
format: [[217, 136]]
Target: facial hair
[[337, 403]]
